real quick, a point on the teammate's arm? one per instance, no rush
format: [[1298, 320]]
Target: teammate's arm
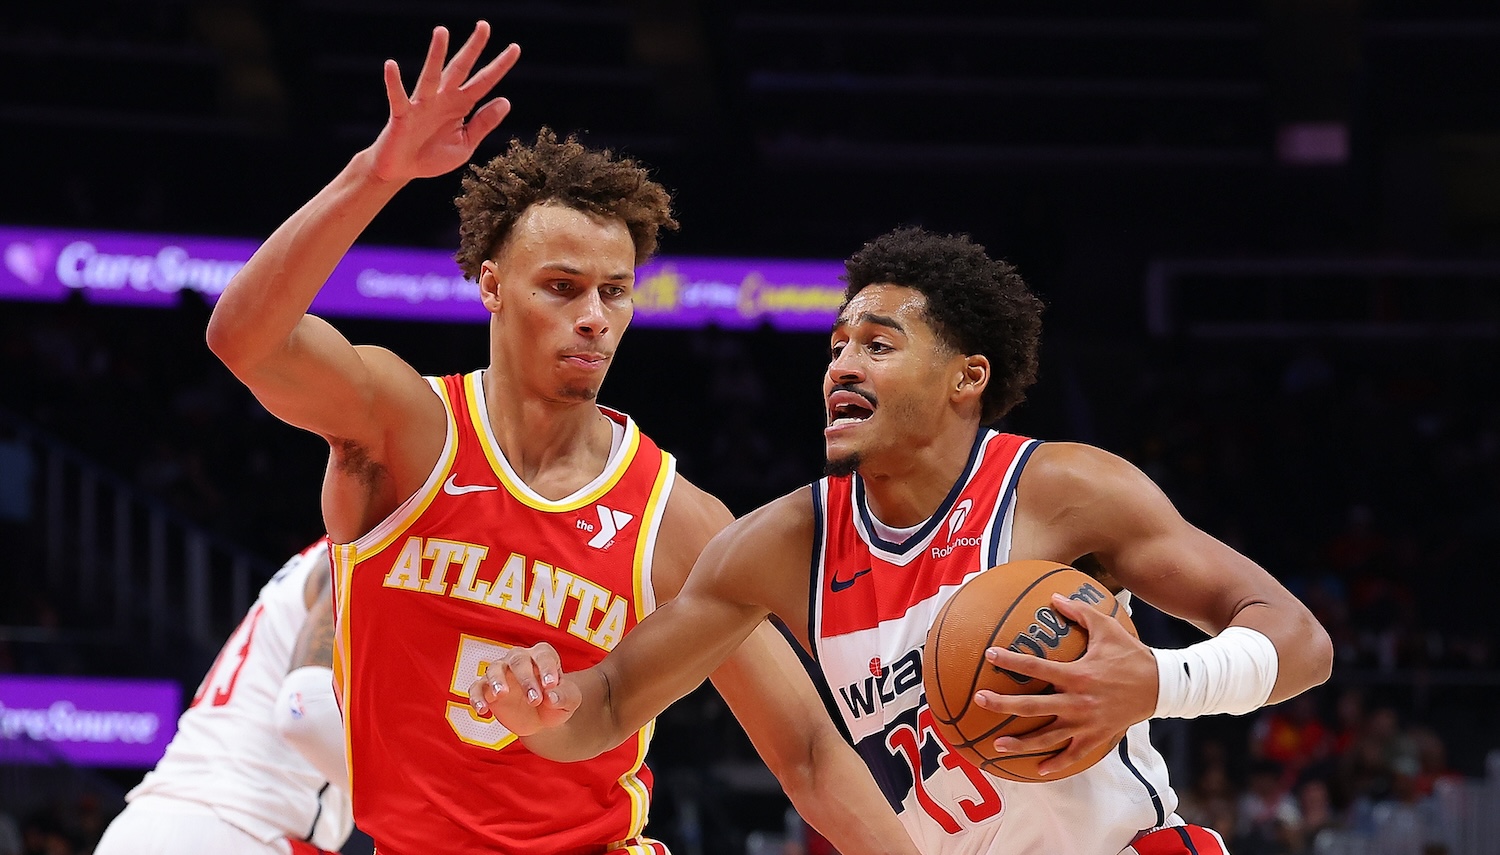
[[300, 368], [306, 713], [1090, 501]]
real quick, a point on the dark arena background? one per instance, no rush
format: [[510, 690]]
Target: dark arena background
[[1267, 234]]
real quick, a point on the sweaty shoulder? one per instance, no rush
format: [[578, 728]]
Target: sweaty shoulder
[[1074, 499]]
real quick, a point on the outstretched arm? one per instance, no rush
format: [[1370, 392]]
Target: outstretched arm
[[744, 571], [579, 715], [300, 368], [766, 686]]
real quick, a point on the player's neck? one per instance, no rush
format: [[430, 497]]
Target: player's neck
[[548, 443], [907, 485]]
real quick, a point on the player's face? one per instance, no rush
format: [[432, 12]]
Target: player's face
[[885, 386], [560, 290]]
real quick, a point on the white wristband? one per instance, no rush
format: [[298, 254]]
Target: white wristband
[[1230, 673]]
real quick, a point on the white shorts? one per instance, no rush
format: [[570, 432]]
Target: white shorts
[[154, 825]]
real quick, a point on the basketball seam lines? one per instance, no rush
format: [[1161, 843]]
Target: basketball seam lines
[[995, 633]]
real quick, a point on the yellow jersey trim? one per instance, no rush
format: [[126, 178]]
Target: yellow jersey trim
[[592, 492], [645, 545], [393, 526], [343, 568], [640, 794]]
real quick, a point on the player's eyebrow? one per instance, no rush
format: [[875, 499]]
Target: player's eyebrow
[[869, 318], [620, 276]]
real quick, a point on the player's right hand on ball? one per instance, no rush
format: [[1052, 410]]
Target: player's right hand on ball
[[525, 690]]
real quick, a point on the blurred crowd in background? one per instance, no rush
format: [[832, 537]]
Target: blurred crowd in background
[[1366, 479], [1353, 449]]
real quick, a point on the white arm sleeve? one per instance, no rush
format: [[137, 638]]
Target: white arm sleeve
[[1233, 673], [307, 717]]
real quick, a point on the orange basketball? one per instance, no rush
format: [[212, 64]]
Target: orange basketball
[[1006, 606]]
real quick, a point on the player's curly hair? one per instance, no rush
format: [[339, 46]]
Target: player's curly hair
[[594, 181], [975, 303]]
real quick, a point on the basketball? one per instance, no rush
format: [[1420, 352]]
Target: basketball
[[1006, 606]]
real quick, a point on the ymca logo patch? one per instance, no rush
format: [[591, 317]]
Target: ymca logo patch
[[611, 523]]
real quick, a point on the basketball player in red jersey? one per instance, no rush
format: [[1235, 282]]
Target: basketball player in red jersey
[[475, 512], [935, 342]]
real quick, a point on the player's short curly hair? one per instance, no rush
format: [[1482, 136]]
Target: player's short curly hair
[[977, 305], [594, 181]]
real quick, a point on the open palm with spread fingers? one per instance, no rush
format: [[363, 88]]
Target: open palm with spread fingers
[[435, 129]]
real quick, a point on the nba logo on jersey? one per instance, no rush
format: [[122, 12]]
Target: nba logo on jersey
[[611, 522]]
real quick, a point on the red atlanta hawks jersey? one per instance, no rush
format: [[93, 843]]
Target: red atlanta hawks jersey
[[475, 562], [872, 603]]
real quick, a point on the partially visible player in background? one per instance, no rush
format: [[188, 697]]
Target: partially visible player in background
[[257, 765]]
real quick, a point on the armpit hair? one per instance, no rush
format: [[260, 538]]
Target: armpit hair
[[354, 459], [1090, 564]]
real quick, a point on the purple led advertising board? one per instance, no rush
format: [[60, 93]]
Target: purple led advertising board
[[416, 284], [86, 721]]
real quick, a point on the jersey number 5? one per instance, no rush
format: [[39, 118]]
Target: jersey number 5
[[474, 655]]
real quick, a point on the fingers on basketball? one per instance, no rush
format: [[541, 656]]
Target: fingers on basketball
[[1009, 606]]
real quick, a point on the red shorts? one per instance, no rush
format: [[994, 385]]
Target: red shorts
[[633, 846], [1178, 840]]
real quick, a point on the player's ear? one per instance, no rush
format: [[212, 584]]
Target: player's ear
[[489, 285], [972, 378]]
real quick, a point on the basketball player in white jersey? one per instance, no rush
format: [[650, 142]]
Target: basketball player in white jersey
[[257, 764], [936, 341]]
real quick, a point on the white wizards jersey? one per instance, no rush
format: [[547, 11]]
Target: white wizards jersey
[[227, 754], [872, 603]]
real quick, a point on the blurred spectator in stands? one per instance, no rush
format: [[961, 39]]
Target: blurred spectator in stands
[[1406, 822], [1292, 736], [1319, 820], [1358, 545], [1433, 773], [1349, 720], [44, 833], [1367, 767], [1210, 801], [1269, 821]]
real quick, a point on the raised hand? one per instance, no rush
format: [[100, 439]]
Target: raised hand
[[1096, 698], [526, 690], [431, 131]]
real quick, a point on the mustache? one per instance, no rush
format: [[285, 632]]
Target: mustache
[[850, 387]]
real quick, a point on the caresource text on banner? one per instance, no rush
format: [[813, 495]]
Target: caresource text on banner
[[86, 721], [404, 284]]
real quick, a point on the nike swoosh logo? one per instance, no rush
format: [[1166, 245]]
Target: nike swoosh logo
[[453, 489], [836, 584]]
